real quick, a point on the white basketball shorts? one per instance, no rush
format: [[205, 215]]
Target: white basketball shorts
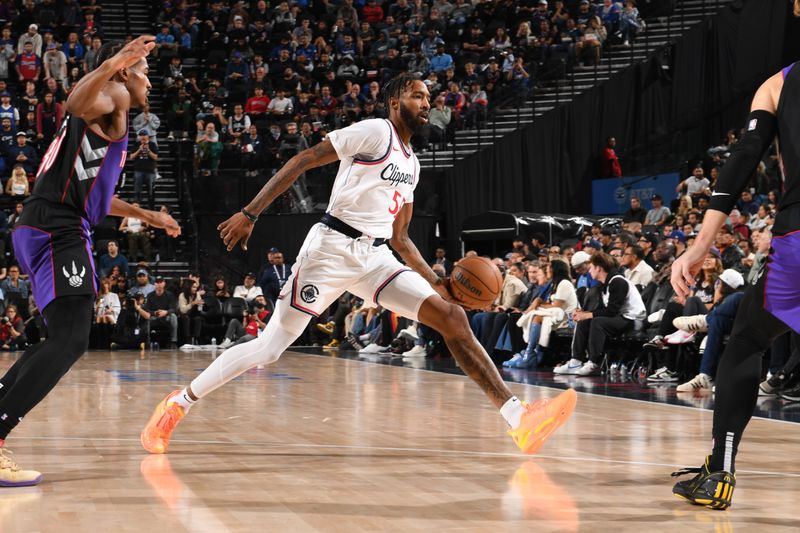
[[331, 263]]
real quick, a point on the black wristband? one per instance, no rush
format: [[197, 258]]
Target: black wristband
[[248, 216]]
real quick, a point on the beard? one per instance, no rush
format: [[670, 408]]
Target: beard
[[411, 121]]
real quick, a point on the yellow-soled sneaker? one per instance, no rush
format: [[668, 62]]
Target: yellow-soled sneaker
[[156, 434], [541, 419], [11, 475]]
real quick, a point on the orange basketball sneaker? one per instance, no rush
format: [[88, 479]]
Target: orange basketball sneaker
[[541, 419], [156, 434]]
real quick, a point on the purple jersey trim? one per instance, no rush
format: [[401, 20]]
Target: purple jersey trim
[[785, 70]]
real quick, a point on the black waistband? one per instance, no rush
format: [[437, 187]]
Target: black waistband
[[346, 229]]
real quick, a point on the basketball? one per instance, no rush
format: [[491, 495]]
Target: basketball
[[475, 282]]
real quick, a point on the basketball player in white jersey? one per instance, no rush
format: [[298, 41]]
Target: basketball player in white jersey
[[370, 206]]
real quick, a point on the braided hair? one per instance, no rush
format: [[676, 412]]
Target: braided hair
[[395, 87]]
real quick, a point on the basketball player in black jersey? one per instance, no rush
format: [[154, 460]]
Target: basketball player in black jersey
[[74, 191], [772, 306]]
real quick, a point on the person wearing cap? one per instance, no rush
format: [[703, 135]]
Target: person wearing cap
[[248, 290], [160, 308], [717, 323], [580, 266], [659, 214], [31, 36], [237, 73], [24, 154], [55, 63], [111, 259], [143, 285], [144, 163], [730, 254]]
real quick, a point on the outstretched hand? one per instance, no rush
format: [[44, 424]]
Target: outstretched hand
[[165, 221], [235, 229], [134, 51], [685, 268]]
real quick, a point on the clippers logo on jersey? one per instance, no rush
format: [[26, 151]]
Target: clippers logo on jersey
[[75, 280], [393, 174], [377, 176]]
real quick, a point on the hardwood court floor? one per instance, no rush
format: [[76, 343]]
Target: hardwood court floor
[[326, 444]]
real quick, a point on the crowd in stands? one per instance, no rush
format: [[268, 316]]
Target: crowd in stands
[[253, 83]]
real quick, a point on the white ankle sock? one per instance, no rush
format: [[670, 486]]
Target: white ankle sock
[[512, 411], [183, 399]]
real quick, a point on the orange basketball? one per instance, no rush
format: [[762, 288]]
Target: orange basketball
[[475, 282]]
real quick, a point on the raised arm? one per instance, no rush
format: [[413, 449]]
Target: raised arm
[[120, 208], [91, 99], [240, 225]]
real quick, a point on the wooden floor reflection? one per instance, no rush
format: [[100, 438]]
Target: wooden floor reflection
[[324, 444]]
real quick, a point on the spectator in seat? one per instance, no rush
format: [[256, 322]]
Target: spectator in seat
[[143, 285], [635, 213], [246, 330], [179, 116], [12, 330], [138, 234], [190, 305], [629, 22], [160, 306], [610, 161], [8, 54], [441, 61], [280, 108], [258, 104], [111, 259], [24, 154], [73, 50], [747, 204], [209, 149], [441, 259], [8, 111], [477, 106], [488, 325], [13, 284], [636, 268], [18, 187], [694, 185], [33, 37], [659, 214], [439, 119], [107, 309], [148, 122], [620, 308], [729, 253], [145, 161], [610, 13], [221, 289], [248, 290]]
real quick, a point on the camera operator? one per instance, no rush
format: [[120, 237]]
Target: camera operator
[[132, 324], [144, 160], [12, 330]]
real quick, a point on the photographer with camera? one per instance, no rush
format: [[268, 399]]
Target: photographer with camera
[[144, 160], [12, 330], [248, 328], [132, 324]]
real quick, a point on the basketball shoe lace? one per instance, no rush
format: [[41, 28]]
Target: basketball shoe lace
[[6, 462], [172, 415]]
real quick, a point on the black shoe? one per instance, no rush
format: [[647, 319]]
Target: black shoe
[[711, 489], [791, 394], [354, 342]]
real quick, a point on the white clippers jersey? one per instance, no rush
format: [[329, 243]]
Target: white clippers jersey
[[377, 176]]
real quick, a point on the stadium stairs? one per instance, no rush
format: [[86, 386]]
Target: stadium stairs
[[121, 18], [660, 31]]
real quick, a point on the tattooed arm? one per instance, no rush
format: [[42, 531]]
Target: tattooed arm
[[239, 227]]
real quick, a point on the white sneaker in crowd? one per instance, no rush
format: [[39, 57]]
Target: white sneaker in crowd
[[589, 369], [373, 348], [225, 344], [663, 374], [700, 381], [571, 367], [409, 333], [679, 337], [692, 324], [417, 351]]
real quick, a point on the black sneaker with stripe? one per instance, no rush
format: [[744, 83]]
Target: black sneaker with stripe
[[711, 489]]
